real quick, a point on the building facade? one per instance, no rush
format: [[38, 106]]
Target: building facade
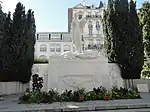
[[92, 35], [52, 43]]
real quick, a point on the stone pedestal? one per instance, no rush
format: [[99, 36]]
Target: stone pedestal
[[78, 73]]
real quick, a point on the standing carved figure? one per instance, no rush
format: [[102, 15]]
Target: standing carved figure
[[77, 28]]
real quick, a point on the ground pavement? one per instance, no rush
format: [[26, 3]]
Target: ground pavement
[[10, 104]]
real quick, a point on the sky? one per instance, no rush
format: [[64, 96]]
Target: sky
[[50, 15]]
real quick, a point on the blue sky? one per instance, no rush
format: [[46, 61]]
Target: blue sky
[[50, 15]]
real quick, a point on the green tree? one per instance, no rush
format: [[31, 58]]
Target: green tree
[[28, 60], [2, 19], [136, 50], [123, 39], [17, 51], [24, 39], [144, 16], [7, 42], [6, 49], [19, 40]]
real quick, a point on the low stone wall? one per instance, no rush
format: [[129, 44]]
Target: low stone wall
[[7, 88], [43, 69], [133, 83], [141, 81]]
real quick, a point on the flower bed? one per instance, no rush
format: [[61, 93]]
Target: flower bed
[[78, 96]]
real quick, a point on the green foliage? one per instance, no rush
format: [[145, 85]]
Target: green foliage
[[17, 51], [77, 96], [38, 60], [123, 93], [123, 37], [146, 69], [37, 82], [144, 16]]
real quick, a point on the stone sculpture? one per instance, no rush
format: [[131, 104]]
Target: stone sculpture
[[77, 27], [82, 69]]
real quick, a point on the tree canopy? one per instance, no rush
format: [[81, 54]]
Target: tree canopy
[[123, 37], [144, 16], [17, 50]]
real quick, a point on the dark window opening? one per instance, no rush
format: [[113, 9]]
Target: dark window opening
[[80, 17], [82, 38]]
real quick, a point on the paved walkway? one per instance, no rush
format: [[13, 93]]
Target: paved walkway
[[10, 104]]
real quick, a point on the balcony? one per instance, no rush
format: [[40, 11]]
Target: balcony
[[92, 36], [94, 46], [93, 16]]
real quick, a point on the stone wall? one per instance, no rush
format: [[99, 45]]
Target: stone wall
[[141, 81], [78, 73], [57, 76], [12, 88], [7, 88]]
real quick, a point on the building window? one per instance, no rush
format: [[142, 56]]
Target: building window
[[67, 48], [80, 17], [90, 23], [96, 14], [90, 26], [83, 47], [44, 37], [98, 41], [43, 48], [82, 38], [90, 31], [52, 48], [55, 36], [97, 25], [90, 41], [89, 14], [58, 48], [97, 22]]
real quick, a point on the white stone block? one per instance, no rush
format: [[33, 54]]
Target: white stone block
[[77, 73], [142, 87]]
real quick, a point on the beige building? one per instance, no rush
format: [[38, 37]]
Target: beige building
[[52, 43], [92, 32]]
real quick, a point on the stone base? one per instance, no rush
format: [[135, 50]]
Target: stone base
[[78, 73]]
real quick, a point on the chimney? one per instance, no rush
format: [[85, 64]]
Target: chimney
[[69, 18]]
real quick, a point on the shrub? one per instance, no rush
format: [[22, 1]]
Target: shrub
[[80, 95], [40, 60], [37, 82]]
